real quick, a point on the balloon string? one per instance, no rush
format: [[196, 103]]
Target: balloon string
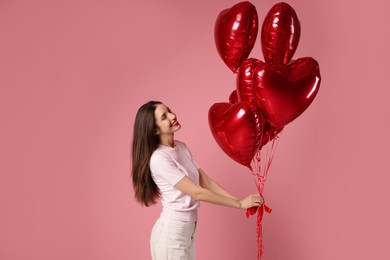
[[274, 145], [259, 174], [260, 211], [259, 229]]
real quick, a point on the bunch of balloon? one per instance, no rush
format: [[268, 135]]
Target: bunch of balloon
[[268, 94]]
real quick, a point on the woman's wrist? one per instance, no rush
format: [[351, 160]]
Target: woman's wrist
[[239, 204]]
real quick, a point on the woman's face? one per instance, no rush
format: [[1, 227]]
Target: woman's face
[[166, 121]]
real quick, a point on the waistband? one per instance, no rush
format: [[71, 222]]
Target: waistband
[[170, 214]]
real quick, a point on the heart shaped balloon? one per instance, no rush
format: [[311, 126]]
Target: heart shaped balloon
[[280, 34], [235, 33], [247, 92], [245, 83], [233, 98], [283, 92], [237, 128]]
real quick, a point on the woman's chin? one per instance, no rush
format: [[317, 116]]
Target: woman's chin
[[176, 127]]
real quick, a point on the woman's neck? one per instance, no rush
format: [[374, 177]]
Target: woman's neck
[[169, 141]]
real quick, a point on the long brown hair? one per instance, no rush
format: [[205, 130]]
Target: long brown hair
[[145, 142]]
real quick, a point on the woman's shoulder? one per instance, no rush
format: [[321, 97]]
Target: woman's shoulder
[[157, 157], [164, 152], [158, 153]]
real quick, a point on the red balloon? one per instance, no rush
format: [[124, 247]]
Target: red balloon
[[244, 84], [269, 132], [280, 34], [284, 92], [233, 98], [235, 33], [237, 129]]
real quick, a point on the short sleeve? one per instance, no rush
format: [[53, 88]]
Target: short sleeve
[[165, 167]]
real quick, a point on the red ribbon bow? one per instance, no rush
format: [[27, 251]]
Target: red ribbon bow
[[261, 209]]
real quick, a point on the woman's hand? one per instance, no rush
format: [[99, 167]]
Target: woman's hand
[[254, 200]]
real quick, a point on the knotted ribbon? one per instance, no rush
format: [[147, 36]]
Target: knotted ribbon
[[260, 210]]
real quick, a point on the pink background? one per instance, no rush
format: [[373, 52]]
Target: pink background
[[73, 73]]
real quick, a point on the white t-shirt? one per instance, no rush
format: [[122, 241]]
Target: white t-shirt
[[168, 166]]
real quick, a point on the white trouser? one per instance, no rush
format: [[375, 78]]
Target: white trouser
[[173, 240]]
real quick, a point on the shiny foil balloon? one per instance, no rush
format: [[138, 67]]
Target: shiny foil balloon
[[233, 98], [235, 33], [269, 133], [246, 92], [284, 92], [237, 129], [280, 34], [244, 82]]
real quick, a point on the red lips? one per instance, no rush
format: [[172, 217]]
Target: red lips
[[175, 123]]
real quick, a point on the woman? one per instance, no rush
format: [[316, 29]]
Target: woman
[[163, 166]]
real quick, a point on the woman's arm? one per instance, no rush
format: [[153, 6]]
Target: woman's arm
[[208, 183], [187, 186]]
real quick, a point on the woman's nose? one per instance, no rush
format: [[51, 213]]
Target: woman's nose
[[172, 116]]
